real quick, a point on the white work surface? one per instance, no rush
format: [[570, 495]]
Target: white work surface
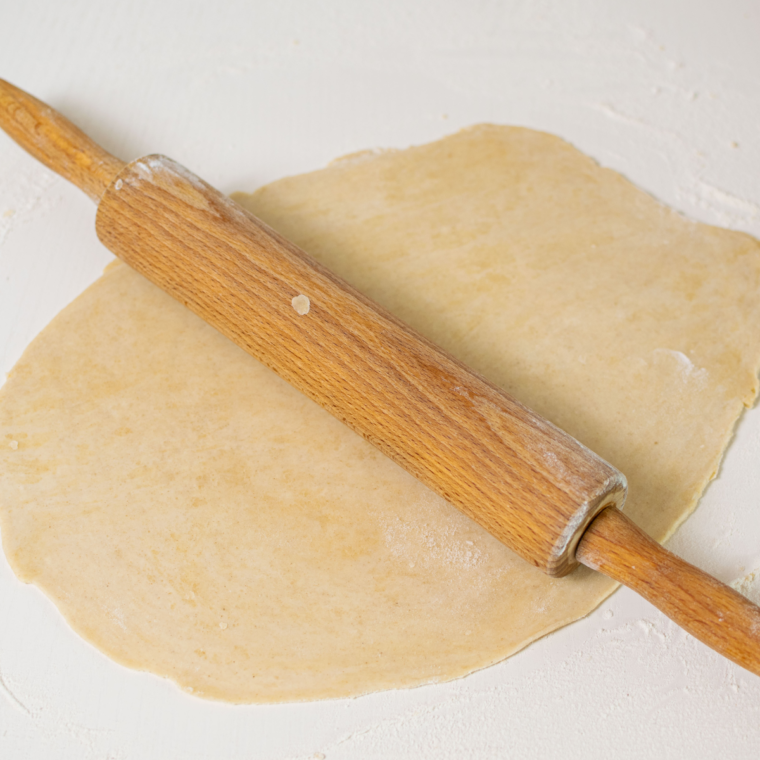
[[666, 92]]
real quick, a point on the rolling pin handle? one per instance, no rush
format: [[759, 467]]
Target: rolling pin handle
[[709, 610], [56, 142]]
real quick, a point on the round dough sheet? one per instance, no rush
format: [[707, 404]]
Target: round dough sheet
[[194, 516]]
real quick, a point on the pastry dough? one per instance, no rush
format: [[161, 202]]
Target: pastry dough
[[193, 515]]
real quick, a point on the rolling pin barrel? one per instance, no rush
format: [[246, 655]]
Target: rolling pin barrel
[[531, 485], [528, 483]]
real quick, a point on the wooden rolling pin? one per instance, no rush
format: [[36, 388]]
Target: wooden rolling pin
[[535, 488]]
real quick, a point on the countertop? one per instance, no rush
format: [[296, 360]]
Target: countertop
[[664, 91]]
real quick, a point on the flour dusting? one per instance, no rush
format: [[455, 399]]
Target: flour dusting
[[749, 585]]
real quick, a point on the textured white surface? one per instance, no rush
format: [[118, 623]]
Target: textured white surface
[[241, 92]]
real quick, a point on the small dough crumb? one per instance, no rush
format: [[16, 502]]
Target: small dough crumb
[[13, 445], [119, 184], [223, 625], [301, 304]]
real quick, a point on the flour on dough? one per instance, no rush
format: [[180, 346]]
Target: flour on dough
[[194, 516]]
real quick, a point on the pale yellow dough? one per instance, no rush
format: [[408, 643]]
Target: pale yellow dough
[[192, 515]]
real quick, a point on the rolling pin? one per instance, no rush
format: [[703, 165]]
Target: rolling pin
[[538, 490]]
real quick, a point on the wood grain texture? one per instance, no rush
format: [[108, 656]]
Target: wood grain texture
[[528, 483], [56, 142], [709, 610]]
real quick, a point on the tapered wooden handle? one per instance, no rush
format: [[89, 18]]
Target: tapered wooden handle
[[56, 142], [709, 610]]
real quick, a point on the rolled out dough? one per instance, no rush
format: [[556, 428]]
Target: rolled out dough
[[194, 516]]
